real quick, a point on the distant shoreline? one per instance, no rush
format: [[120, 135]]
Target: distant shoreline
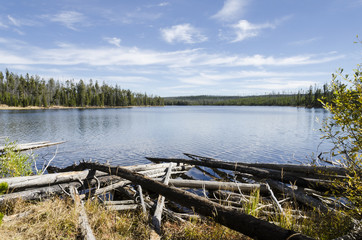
[[6, 107]]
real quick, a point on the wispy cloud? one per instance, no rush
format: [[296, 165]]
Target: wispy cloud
[[13, 21], [244, 29], [68, 18], [68, 55], [19, 22], [163, 4], [231, 10], [184, 33], [209, 79], [114, 41]]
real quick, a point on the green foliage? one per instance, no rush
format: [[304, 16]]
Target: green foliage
[[14, 163], [28, 90], [344, 129], [251, 207], [301, 98], [3, 187]]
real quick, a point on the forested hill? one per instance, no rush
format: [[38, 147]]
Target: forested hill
[[302, 98], [18, 90]]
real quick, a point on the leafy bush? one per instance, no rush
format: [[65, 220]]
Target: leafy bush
[[344, 129], [14, 163]]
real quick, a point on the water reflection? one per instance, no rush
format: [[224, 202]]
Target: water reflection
[[126, 136]]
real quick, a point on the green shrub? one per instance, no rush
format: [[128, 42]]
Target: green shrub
[[14, 163]]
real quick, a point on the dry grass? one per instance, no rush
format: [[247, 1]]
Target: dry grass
[[58, 219], [50, 219]]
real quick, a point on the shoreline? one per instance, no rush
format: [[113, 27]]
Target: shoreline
[[6, 107]]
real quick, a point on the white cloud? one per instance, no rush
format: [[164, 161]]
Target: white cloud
[[231, 10], [163, 4], [114, 41], [182, 33], [244, 29], [17, 52], [68, 18], [209, 79], [126, 79], [13, 21]]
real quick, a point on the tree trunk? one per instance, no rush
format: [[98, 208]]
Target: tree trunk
[[246, 224]]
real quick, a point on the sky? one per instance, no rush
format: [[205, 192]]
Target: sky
[[183, 47]]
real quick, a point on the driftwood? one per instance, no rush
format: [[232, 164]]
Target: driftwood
[[151, 173], [142, 201], [299, 195], [34, 145], [306, 170], [85, 229], [121, 205], [238, 221], [156, 219], [19, 183], [256, 172], [39, 193], [215, 185]]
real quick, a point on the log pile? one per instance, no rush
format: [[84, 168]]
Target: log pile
[[162, 189]]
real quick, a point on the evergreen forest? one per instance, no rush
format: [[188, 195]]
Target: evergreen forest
[[303, 98], [23, 91]]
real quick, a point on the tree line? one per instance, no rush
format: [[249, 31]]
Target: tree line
[[303, 98], [19, 90]]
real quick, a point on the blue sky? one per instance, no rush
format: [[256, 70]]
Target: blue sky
[[183, 47]]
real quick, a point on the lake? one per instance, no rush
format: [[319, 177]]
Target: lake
[[126, 135]]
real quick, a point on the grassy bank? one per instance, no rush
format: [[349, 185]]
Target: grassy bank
[[58, 219]]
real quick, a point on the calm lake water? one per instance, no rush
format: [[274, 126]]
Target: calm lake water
[[126, 136]]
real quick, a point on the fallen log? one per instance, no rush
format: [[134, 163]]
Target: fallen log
[[287, 167], [299, 195], [256, 172], [246, 224], [151, 173], [142, 201], [39, 193], [138, 168], [215, 185], [122, 207], [156, 219], [34, 145], [85, 229], [19, 183]]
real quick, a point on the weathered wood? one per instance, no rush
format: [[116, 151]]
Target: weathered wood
[[275, 199], [85, 229], [121, 202], [138, 168], [298, 169], [156, 219], [142, 201], [238, 221], [122, 207], [38, 193], [260, 173], [298, 194], [151, 173], [19, 183], [34, 145], [215, 185]]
